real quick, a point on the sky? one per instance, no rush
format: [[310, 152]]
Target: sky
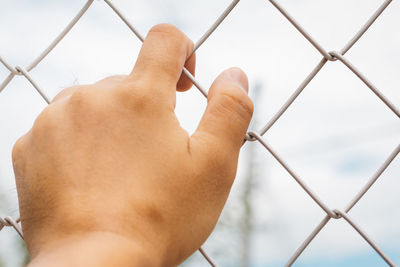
[[335, 135]]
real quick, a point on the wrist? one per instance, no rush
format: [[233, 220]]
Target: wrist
[[95, 249]]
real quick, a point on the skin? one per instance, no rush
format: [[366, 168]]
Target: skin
[[107, 176]]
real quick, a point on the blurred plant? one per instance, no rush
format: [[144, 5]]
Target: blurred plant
[[18, 244], [2, 206]]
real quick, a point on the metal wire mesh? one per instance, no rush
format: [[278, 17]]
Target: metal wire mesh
[[252, 136]]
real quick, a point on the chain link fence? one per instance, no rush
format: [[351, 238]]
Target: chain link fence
[[328, 57]]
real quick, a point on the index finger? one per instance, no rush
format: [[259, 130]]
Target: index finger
[[162, 58]]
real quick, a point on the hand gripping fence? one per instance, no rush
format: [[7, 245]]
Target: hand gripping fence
[[251, 136]]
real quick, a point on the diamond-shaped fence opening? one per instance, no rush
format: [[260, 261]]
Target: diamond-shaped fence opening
[[327, 57]]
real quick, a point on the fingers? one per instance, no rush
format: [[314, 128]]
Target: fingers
[[165, 51], [161, 60], [184, 82], [228, 114]]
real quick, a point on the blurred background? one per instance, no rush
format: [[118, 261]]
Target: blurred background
[[335, 135]]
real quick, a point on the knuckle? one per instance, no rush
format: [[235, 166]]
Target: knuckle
[[234, 99], [43, 119], [18, 149], [84, 100], [165, 28], [18, 157], [110, 80], [174, 33], [78, 99], [65, 93], [136, 94], [43, 123], [86, 106]]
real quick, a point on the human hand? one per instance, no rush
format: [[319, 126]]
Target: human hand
[[107, 176]]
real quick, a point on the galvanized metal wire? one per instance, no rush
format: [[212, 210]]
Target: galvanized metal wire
[[253, 136]]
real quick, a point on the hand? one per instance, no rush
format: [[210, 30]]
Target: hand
[[107, 177]]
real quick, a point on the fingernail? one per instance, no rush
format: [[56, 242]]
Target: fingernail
[[238, 76]]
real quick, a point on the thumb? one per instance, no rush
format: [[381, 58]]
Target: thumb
[[228, 113]]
